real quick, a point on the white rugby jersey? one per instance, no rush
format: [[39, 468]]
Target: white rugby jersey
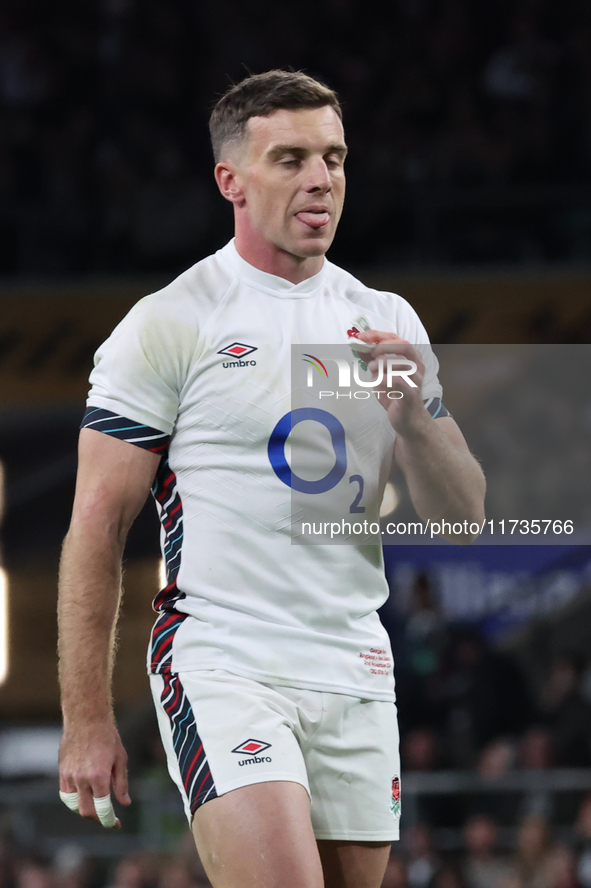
[[200, 371]]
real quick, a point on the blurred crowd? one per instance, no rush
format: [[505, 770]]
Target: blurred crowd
[[530, 854], [466, 704], [105, 165], [70, 867]]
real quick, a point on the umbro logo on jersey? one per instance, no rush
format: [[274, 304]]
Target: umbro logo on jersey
[[238, 350], [252, 747]]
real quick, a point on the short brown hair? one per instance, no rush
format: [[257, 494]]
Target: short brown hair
[[260, 95]]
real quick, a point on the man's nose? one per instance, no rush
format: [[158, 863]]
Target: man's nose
[[318, 176]]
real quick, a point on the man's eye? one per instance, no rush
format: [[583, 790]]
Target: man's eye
[[289, 161], [333, 161]]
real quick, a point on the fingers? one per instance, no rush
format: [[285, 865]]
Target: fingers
[[90, 798], [67, 784], [389, 344], [106, 812], [393, 347], [86, 795], [70, 800], [120, 785], [378, 336], [102, 808], [91, 759], [400, 347]]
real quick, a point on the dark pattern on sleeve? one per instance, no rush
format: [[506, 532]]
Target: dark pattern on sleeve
[[125, 429], [436, 408]]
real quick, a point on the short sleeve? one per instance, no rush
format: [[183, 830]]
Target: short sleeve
[[431, 386], [140, 369], [409, 326], [117, 426]]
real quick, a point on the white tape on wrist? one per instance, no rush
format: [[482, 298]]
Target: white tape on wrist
[[105, 811]]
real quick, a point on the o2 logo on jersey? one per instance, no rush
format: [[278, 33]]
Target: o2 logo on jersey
[[276, 450]]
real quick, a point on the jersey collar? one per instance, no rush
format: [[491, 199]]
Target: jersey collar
[[270, 283]]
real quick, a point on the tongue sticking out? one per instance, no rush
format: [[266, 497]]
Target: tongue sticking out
[[314, 220]]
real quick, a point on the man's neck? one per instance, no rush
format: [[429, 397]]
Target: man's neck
[[271, 259]]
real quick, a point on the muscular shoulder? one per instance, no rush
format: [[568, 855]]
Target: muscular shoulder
[[140, 370], [385, 311], [166, 324], [187, 302]]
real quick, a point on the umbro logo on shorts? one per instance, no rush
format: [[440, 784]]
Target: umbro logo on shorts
[[252, 747], [238, 350]]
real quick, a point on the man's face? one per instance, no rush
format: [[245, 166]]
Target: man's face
[[290, 171]]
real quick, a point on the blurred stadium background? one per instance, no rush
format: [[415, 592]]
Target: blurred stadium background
[[469, 125]]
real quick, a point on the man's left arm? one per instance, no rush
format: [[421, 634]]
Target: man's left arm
[[445, 482]]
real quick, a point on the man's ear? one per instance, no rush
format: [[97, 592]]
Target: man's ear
[[228, 181]]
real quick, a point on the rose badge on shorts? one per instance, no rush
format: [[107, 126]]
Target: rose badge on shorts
[[395, 801]]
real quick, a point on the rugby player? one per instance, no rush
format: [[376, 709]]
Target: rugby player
[[280, 731]]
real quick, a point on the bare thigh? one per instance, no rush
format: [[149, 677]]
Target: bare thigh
[[353, 864], [259, 836]]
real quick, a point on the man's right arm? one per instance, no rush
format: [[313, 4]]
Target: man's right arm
[[114, 478]]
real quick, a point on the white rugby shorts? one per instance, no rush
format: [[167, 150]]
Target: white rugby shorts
[[222, 731]]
